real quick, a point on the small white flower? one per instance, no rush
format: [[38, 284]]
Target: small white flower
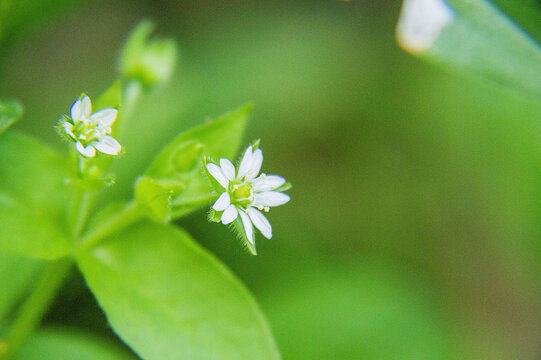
[[90, 132], [421, 22], [245, 194]]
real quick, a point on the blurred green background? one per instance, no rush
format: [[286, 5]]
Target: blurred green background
[[414, 230]]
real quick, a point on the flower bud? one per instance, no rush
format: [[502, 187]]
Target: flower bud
[[149, 61]]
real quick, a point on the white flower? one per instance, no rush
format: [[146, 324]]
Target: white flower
[[245, 194], [421, 22], [90, 131]]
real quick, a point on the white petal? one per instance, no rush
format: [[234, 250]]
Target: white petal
[[104, 118], [222, 202], [229, 214], [246, 163], [260, 222], [87, 151], [217, 173], [248, 227], [80, 108], [76, 110], [86, 106], [107, 145], [227, 168], [267, 182], [257, 160], [270, 198], [421, 22], [68, 129]]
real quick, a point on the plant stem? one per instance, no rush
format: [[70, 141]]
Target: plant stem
[[132, 93], [33, 309], [129, 215], [85, 200]]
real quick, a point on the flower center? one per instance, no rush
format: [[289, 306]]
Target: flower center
[[86, 132], [241, 194]]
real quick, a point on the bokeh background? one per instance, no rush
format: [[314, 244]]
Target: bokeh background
[[415, 226]]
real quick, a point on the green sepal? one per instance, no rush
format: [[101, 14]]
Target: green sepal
[[153, 199], [215, 216], [10, 112], [284, 187], [241, 232]]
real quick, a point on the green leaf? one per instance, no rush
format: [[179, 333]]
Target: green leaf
[[527, 14], [68, 344], [16, 276], [364, 310], [181, 160], [153, 199], [183, 157], [476, 38], [10, 112], [168, 298], [33, 194]]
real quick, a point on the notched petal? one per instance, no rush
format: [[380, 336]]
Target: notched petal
[[217, 173], [260, 222], [104, 118], [246, 163], [87, 151], [107, 145], [222, 203], [229, 215], [270, 198], [227, 168], [248, 227], [257, 161], [267, 182]]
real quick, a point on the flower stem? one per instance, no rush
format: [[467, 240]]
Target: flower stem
[[129, 215], [83, 206], [35, 306]]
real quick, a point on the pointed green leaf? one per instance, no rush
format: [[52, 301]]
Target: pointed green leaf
[[10, 112], [64, 343], [153, 199], [168, 298], [181, 160], [526, 13], [33, 194], [472, 37], [17, 274]]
